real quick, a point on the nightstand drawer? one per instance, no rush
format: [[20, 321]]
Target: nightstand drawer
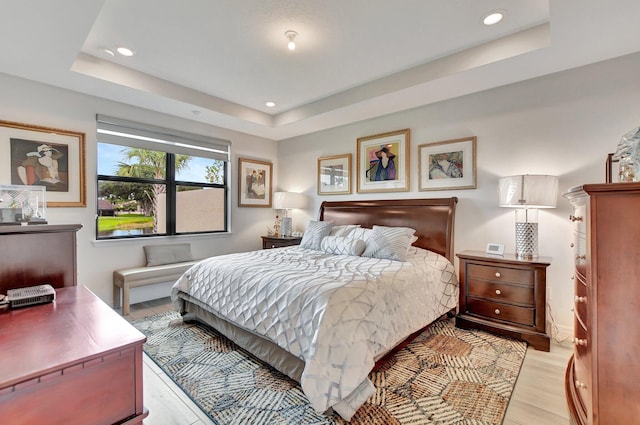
[[500, 274], [501, 292], [269, 242], [509, 313]]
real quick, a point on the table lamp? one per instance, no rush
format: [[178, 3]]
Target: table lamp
[[286, 201], [527, 193]]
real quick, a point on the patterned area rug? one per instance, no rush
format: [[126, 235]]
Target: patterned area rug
[[445, 376]]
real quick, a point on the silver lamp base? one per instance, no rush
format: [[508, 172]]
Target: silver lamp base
[[286, 226], [526, 240]]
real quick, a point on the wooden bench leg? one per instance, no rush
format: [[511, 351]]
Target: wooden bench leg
[[125, 299], [116, 296]]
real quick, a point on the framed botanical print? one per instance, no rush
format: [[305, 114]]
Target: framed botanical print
[[383, 162], [254, 183], [334, 175], [450, 164], [43, 156]]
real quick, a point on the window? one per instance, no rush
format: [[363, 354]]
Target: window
[[154, 181]]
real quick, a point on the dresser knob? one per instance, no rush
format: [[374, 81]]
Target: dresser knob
[[580, 384], [580, 342], [575, 218], [572, 245], [498, 274], [573, 276], [496, 311], [581, 257], [498, 292], [580, 299], [273, 246]]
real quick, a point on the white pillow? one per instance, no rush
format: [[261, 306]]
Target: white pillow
[[340, 245], [361, 233], [389, 243], [343, 229], [316, 230]]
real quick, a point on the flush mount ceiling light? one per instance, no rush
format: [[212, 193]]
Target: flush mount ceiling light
[[107, 51], [493, 17], [270, 104], [125, 51], [291, 35]]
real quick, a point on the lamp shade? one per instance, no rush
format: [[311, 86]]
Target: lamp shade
[[288, 200], [528, 191]]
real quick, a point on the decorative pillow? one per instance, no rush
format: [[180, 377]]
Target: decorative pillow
[[167, 254], [389, 243], [343, 229], [361, 233], [340, 245], [316, 230]]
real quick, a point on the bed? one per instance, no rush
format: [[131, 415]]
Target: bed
[[325, 319]]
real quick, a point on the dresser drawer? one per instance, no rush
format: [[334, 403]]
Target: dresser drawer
[[582, 367], [501, 292], [580, 303], [499, 311], [499, 274]]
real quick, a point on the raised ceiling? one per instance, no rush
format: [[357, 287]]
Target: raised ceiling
[[219, 61]]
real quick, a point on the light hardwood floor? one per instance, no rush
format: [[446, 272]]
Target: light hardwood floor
[[538, 398]]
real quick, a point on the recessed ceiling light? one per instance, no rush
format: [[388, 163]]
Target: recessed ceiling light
[[493, 18], [124, 51], [270, 104]]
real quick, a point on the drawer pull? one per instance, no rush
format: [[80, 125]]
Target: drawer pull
[[573, 276], [497, 311], [580, 299], [498, 292], [273, 245], [572, 245], [580, 342], [581, 257], [498, 274], [581, 385], [575, 218]]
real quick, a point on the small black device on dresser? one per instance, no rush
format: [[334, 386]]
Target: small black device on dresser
[[504, 295], [269, 242]]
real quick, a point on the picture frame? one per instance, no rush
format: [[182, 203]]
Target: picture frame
[[44, 156], [255, 188], [612, 169], [334, 175], [447, 165], [383, 162]]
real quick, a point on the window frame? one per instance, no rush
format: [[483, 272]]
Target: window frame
[[170, 181]]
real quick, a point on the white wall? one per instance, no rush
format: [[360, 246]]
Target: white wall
[[563, 124], [33, 103]]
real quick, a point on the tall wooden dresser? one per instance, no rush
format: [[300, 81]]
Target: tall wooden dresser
[[603, 375]]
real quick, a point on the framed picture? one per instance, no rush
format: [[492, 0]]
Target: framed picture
[[254, 183], [334, 175], [448, 165], [43, 156], [383, 162], [612, 169]]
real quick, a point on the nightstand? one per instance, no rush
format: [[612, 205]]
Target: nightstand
[[504, 295], [269, 242]]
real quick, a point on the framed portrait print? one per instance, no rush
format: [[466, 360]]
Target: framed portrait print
[[334, 175], [254, 183], [43, 156], [448, 165], [383, 162]]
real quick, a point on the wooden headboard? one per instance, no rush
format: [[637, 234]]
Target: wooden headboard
[[433, 219]]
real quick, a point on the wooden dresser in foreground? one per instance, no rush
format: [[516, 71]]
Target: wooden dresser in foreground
[[603, 376], [74, 361], [504, 295]]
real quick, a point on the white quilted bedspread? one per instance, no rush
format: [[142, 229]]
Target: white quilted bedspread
[[338, 313]]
